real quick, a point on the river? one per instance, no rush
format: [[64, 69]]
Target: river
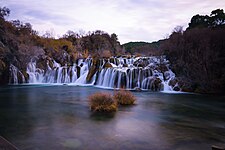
[[44, 117]]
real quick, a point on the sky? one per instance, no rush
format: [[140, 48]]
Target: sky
[[131, 20]]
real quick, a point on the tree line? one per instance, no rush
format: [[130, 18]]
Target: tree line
[[197, 54]]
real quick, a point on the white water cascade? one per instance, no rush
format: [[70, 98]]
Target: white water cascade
[[16, 75], [57, 73], [146, 73]]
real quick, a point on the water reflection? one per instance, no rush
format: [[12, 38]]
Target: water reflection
[[58, 117], [102, 116]]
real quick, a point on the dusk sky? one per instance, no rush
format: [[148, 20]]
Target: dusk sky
[[131, 20]]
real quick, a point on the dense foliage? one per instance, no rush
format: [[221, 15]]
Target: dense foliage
[[144, 48], [215, 20], [198, 54]]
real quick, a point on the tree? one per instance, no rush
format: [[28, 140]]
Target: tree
[[4, 12], [199, 21], [216, 19]]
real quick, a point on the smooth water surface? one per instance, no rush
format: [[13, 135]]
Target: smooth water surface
[[35, 117]]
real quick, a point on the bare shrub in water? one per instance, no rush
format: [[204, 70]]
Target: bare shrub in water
[[124, 97], [102, 102]]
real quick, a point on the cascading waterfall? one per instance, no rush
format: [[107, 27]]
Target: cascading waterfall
[[16, 75], [147, 73], [57, 73]]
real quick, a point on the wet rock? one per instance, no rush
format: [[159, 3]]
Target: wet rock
[[166, 75], [185, 85], [112, 60], [137, 89], [153, 84], [94, 68], [125, 65], [162, 68], [26, 75], [123, 80], [142, 62], [78, 71], [157, 84], [42, 63], [176, 88], [173, 82], [107, 65]]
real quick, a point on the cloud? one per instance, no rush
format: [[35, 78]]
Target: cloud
[[131, 20]]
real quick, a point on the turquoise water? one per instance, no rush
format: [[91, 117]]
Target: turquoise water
[[37, 117]]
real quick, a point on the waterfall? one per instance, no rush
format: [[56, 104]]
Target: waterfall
[[57, 73], [16, 75], [147, 73]]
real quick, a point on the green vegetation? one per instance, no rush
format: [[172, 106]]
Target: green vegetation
[[144, 48], [102, 102], [215, 20], [124, 97]]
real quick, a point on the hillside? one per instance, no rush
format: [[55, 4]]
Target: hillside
[[144, 48]]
